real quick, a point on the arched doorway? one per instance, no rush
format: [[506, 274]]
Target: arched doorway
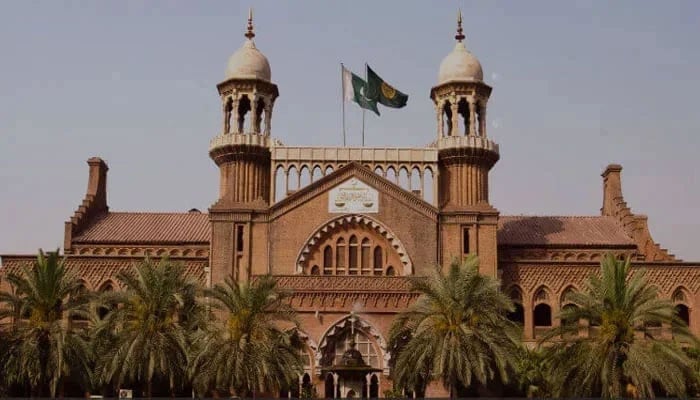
[[352, 354]]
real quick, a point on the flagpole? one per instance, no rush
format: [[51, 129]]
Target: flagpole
[[363, 127], [363, 110], [342, 97]]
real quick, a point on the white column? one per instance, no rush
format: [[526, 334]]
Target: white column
[[440, 124], [472, 117], [482, 120], [254, 127], [455, 120], [286, 182], [268, 118]]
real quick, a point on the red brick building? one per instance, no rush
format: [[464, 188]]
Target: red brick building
[[342, 226]]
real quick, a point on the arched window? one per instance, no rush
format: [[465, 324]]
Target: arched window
[[340, 256], [374, 387], [447, 118], [682, 310], [352, 256], [463, 111], [542, 311], [315, 270], [105, 308], [329, 387], [566, 309], [328, 260], [364, 258], [378, 263], [390, 271], [567, 306], [683, 313], [80, 293], [306, 387], [517, 315], [543, 315], [243, 108]]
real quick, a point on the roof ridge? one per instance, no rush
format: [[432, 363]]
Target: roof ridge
[[157, 212], [555, 216]]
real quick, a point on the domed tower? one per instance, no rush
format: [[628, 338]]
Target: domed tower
[[242, 152], [465, 157]]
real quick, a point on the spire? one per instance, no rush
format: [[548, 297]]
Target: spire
[[460, 33], [249, 33]]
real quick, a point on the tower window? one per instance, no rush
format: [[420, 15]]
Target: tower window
[[378, 263], [465, 241], [327, 260], [340, 256], [239, 238], [365, 259], [352, 268]]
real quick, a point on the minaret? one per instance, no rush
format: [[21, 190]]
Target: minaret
[[242, 152], [465, 157], [242, 149]]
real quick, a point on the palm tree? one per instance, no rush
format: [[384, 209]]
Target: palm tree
[[41, 345], [622, 358], [245, 349], [147, 334], [531, 372], [457, 331]]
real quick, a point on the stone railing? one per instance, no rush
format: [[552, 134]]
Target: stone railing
[[368, 155], [475, 142], [250, 139]]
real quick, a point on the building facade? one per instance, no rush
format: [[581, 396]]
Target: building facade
[[341, 227]]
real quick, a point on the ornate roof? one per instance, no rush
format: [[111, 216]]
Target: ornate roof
[[131, 227], [568, 230], [96, 271]]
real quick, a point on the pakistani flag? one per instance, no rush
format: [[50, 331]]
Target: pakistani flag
[[382, 92], [355, 89]]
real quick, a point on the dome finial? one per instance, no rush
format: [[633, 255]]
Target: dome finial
[[249, 33], [460, 33]]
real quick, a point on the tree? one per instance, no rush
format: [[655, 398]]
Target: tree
[[245, 349], [531, 371], [148, 331], [621, 357], [41, 346], [457, 331]]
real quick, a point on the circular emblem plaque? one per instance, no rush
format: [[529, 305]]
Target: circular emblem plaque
[[388, 91]]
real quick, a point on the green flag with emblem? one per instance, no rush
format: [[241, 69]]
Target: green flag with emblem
[[382, 92], [355, 89]]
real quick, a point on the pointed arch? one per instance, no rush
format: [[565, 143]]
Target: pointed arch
[[563, 299], [363, 326], [304, 177], [292, 180], [378, 170], [428, 186], [369, 222], [391, 174], [681, 295], [404, 181], [316, 173], [311, 347]]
